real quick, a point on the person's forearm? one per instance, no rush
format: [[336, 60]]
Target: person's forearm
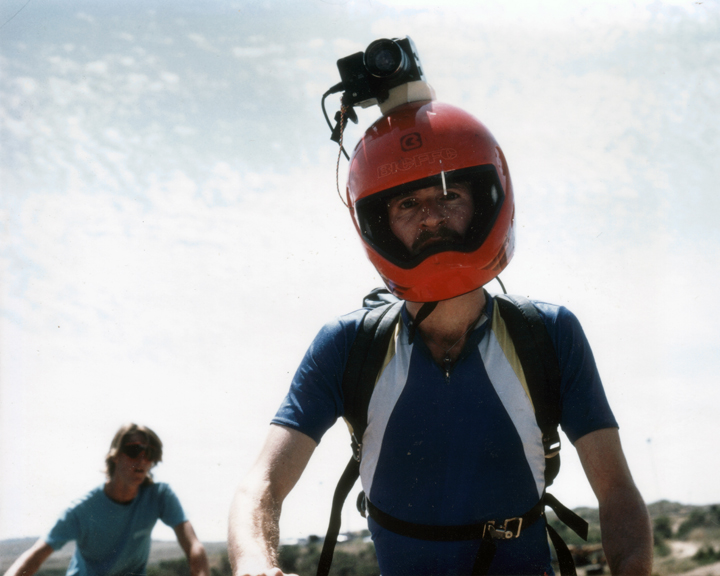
[[22, 567], [626, 533], [30, 561], [254, 533], [198, 561]]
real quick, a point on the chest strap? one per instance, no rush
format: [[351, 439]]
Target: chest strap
[[488, 532]]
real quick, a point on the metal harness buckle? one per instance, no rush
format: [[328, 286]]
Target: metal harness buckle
[[356, 447], [551, 444], [506, 532]]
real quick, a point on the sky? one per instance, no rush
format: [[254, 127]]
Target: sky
[[172, 239]]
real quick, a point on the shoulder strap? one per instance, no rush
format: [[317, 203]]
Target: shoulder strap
[[542, 371], [363, 365], [361, 370]]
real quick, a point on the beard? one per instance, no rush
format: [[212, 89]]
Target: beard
[[428, 237]]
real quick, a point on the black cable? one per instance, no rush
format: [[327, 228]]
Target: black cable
[[501, 284], [334, 90]]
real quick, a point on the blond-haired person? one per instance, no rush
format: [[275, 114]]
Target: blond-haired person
[[112, 524]]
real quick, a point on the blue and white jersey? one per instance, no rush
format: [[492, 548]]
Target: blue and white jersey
[[451, 451]]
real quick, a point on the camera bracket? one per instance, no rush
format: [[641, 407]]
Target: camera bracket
[[410, 92]]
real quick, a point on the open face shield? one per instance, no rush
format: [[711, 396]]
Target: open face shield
[[487, 194]]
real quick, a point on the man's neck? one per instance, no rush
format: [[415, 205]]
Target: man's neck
[[448, 324], [121, 492]]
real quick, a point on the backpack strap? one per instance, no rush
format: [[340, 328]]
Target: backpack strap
[[542, 372], [361, 371], [363, 367]]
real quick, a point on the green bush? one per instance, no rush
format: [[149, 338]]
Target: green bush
[[570, 537], [224, 569], [661, 549], [662, 528], [696, 519], [304, 560], [179, 567], [707, 555]]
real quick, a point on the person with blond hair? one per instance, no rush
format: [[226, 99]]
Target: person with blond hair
[[112, 524]]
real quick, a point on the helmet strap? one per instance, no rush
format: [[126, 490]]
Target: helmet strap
[[425, 311]]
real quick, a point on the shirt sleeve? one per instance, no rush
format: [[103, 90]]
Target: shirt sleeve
[[171, 511], [66, 528], [315, 399], [584, 405]]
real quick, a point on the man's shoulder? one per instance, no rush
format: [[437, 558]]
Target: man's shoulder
[[344, 326], [157, 490], [552, 313], [350, 319], [95, 497], [556, 314]]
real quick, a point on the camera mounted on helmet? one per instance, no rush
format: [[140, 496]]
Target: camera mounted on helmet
[[431, 156], [387, 74]]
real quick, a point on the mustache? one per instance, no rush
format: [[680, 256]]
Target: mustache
[[442, 233]]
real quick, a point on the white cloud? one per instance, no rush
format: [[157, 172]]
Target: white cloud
[[201, 42], [257, 51], [86, 17]]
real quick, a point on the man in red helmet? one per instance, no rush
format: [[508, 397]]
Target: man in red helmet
[[451, 438]]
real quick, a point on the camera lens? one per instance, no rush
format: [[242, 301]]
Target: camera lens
[[385, 58]]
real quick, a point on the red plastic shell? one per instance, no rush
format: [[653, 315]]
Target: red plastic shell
[[415, 141]]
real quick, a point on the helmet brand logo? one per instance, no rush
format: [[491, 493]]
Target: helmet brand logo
[[416, 161], [411, 142]]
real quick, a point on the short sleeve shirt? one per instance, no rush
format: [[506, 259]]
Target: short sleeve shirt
[[114, 539], [451, 450]]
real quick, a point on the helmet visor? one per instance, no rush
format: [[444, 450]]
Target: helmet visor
[[487, 200]]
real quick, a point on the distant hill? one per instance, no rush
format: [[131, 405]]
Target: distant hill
[[687, 541], [57, 563]]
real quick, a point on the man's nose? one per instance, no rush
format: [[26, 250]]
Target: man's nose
[[432, 214]]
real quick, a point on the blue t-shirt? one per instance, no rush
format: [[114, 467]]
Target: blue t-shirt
[[451, 450], [114, 539]]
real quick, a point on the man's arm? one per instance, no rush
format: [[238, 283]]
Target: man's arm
[[193, 549], [254, 534], [624, 521], [30, 561]]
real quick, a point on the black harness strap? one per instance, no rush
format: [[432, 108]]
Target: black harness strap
[[567, 516], [565, 559], [347, 481], [437, 533], [364, 362]]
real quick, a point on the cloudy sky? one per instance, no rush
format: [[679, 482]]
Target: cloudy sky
[[171, 237]]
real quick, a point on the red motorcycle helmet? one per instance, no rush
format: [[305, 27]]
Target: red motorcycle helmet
[[415, 146]]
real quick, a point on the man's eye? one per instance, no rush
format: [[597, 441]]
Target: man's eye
[[409, 203]]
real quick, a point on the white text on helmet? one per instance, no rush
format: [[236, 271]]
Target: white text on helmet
[[416, 161]]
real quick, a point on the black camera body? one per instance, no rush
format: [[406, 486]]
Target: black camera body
[[367, 77]]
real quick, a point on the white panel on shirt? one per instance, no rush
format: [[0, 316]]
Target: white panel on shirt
[[388, 389], [517, 404]]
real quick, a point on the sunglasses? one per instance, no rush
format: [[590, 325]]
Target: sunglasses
[[135, 450]]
